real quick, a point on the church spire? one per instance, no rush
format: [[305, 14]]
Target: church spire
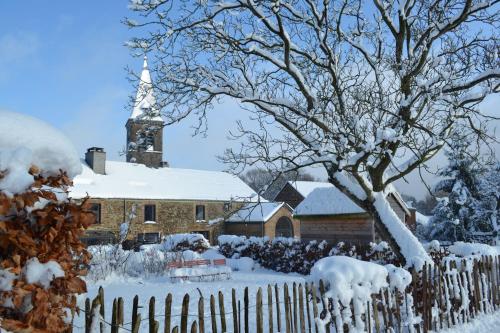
[[145, 101]]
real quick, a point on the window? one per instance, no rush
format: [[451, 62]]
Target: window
[[149, 213], [145, 141], [148, 238], [96, 209], [200, 213], [227, 207]]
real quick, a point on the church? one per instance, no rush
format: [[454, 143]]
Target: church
[[155, 198]]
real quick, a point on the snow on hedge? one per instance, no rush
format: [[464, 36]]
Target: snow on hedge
[[26, 142], [463, 249]]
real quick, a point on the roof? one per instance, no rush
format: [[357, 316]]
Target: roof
[[136, 181], [327, 201], [306, 187], [145, 100], [260, 212]]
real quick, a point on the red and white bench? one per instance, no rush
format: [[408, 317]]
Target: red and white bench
[[208, 270]]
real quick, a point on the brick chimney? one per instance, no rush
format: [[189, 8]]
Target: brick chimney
[[96, 159]]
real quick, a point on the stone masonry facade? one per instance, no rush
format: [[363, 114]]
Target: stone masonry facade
[[172, 216]]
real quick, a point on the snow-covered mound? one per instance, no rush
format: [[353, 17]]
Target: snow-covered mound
[[26, 142], [347, 278]]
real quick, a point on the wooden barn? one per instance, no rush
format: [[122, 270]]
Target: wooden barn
[[328, 214]]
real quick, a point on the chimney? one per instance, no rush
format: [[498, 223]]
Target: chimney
[[96, 159]]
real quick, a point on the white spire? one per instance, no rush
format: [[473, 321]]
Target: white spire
[[145, 100]]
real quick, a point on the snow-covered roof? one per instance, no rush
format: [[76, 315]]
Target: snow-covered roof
[[136, 181], [145, 101], [327, 201], [260, 212], [306, 187]]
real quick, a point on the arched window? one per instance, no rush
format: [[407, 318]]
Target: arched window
[[145, 141], [284, 227]]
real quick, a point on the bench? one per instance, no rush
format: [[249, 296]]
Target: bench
[[210, 274]]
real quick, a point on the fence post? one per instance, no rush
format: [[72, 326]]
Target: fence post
[[152, 315], [212, 314], [301, 309], [235, 309], [101, 309], [135, 306], [258, 313], [168, 313], [137, 324], [245, 304], [201, 314], [278, 314], [194, 327], [270, 308], [120, 311], [88, 317], [315, 306], [295, 319], [114, 326], [308, 308], [325, 306], [288, 323], [184, 314], [375, 314], [222, 313]]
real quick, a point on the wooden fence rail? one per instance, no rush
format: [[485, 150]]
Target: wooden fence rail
[[439, 297]]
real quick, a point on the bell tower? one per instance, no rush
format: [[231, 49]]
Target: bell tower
[[145, 126]]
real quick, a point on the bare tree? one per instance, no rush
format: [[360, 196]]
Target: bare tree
[[368, 90]]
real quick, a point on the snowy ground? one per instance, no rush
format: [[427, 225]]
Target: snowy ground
[[483, 324], [161, 286]]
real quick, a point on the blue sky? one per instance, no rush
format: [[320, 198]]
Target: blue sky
[[64, 62]]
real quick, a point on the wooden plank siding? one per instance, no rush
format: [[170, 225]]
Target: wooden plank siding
[[352, 228]]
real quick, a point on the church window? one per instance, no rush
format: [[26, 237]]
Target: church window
[[200, 212], [149, 213]]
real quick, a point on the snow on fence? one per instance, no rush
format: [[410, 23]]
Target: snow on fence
[[438, 297]]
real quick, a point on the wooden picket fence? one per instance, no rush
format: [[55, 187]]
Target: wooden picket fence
[[440, 296]]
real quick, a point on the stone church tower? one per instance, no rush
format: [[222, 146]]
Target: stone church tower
[[145, 126]]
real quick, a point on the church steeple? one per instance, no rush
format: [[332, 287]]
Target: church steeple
[[145, 101], [145, 125]]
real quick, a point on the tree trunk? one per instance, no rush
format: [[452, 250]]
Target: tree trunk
[[395, 232]]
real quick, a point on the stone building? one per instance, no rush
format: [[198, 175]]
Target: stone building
[[157, 200], [264, 219]]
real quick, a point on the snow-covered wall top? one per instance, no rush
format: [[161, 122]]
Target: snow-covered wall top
[[26, 141], [327, 201], [260, 212], [136, 181]]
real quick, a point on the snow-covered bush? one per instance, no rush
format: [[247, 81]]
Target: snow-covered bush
[[41, 256], [181, 242], [291, 255]]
